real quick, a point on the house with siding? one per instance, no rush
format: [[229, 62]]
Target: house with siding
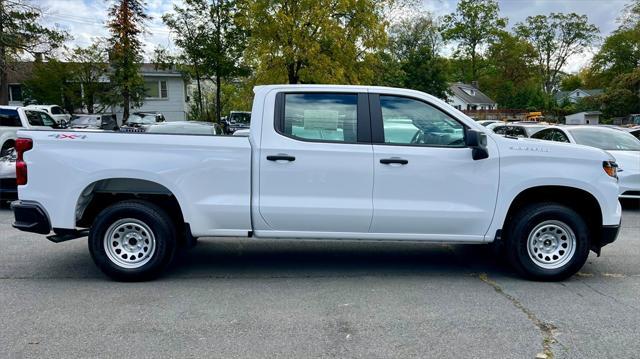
[[166, 91], [469, 97], [576, 95]]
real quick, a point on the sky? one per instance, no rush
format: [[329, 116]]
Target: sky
[[84, 19]]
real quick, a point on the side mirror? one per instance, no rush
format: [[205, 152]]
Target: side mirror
[[477, 141]]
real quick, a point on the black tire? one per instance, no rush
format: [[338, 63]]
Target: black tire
[[530, 218], [162, 230], [7, 147]]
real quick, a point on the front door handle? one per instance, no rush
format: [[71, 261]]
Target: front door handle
[[281, 158], [393, 160]]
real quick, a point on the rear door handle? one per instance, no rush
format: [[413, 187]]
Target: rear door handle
[[393, 160], [281, 158]]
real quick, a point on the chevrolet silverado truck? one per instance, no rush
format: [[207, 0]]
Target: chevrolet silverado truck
[[321, 162]]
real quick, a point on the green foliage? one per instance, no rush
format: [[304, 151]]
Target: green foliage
[[412, 58], [126, 25], [50, 83], [474, 24], [556, 37], [510, 77], [313, 41], [212, 40], [571, 82], [20, 33], [620, 52], [88, 67]]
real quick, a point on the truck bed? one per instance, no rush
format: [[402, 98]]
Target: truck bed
[[210, 176]]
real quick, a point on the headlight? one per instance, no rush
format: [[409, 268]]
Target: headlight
[[610, 168]]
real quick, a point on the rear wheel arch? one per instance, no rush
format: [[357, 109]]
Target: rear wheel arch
[[103, 193], [9, 143]]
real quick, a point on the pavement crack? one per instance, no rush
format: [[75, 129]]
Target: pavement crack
[[546, 329], [609, 296]]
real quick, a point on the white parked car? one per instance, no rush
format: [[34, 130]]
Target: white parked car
[[618, 142], [515, 129], [8, 188], [321, 162], [56, 112], [242, 133], [13, 118]]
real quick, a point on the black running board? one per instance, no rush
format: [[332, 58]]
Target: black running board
[[63, 235]]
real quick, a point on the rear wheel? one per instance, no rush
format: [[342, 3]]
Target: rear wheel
[[547, 241], [132, 241]]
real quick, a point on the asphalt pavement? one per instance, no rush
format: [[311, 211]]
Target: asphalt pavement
[[247, 298]]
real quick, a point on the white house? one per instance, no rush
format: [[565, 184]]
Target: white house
[[576, 95], [469, 97], [583, 118], [166, 91]]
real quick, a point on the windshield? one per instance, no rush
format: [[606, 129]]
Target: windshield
[[240, 117], [606, 139], [85, 120], [141, 119]]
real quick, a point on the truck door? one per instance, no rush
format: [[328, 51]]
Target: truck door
[[426, 183], [316, 168]]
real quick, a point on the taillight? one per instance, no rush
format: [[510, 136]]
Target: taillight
[[22, 145]]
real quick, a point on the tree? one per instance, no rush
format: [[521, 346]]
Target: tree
[[126, 25], [20, 33], [88, 66], [571, 82], [510, 76], [314, 41], [49, 83], [631, 15], [414, 60], [556, 38], [212, 42], [189, 25], [620, 52], [474, 24]]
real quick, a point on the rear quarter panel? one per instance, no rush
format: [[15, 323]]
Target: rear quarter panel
[[209, 175]]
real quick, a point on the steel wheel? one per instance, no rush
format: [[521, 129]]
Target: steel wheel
[[551, 244], [129, 243]]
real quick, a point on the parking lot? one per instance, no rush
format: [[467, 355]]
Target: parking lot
[[247, 298]]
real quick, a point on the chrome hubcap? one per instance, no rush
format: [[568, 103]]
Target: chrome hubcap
[[551, 244], [129, 243]]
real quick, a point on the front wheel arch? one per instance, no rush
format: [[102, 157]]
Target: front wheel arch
[[579, 200]]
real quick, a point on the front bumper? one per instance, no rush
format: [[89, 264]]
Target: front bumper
[[30, 217], [608, 235]]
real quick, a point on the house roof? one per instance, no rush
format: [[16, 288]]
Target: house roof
[[462, 91], [19, 72]]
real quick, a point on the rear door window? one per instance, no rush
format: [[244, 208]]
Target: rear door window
[[326, 117], [9, 118]]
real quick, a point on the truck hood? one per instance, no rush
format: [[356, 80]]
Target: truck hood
[[535, 147], [627, 160]]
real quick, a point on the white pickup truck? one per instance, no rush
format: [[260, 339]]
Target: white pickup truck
[[321, 162]]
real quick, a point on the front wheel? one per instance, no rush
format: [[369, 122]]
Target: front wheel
[[547, 241], [132, 241]]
